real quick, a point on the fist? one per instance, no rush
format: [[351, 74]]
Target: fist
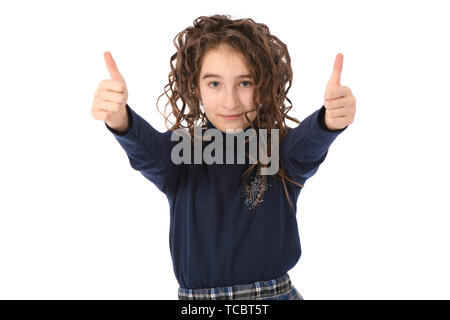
[[340, 104], [111, 98]]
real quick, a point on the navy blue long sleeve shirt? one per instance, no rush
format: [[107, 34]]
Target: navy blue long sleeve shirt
[[218, 236]]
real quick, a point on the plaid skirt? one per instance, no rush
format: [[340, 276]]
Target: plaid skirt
[[279, 288]]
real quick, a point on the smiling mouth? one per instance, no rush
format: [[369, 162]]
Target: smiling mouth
[[231, 117]]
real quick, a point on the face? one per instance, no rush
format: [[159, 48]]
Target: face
[[226, 89]]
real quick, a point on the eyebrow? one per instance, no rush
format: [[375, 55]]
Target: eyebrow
[[213, 75]]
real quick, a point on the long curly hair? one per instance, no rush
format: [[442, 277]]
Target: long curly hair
[[270, 66]]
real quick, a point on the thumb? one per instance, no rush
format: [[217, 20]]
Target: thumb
[[335, 78], [112, 67]]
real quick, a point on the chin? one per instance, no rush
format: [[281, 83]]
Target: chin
[[232, 126]]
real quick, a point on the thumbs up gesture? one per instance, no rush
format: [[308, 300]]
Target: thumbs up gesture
[[111, 98], [340, 104]]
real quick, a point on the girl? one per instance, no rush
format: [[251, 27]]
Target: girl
[[233, 231]]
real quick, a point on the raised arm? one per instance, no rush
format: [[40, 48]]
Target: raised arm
[[306, 146], [148, 150]]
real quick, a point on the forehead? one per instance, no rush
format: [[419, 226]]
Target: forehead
[[225, 62]]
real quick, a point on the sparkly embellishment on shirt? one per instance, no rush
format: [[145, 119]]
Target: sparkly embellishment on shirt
[[254, 188]]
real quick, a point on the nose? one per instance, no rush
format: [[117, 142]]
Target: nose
[[231, 103]]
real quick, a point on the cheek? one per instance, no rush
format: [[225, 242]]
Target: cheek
[[209, 110], [211, 113], [210, 102]]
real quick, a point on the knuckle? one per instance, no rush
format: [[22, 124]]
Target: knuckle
[[95, 115], [111, 85], [346, 90]]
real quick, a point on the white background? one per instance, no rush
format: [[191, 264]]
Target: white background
[[77, 222]]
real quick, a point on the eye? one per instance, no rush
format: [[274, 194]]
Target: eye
[[213, 82], [249, 83]]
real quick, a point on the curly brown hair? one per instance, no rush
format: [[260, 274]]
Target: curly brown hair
[[270, 64]]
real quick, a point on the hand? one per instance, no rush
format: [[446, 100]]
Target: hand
[[339, 102], [111, 98]]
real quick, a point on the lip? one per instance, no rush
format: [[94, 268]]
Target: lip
[[231, 117]]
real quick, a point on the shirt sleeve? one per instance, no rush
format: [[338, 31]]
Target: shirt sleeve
[[148, 150], [306, 146]]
